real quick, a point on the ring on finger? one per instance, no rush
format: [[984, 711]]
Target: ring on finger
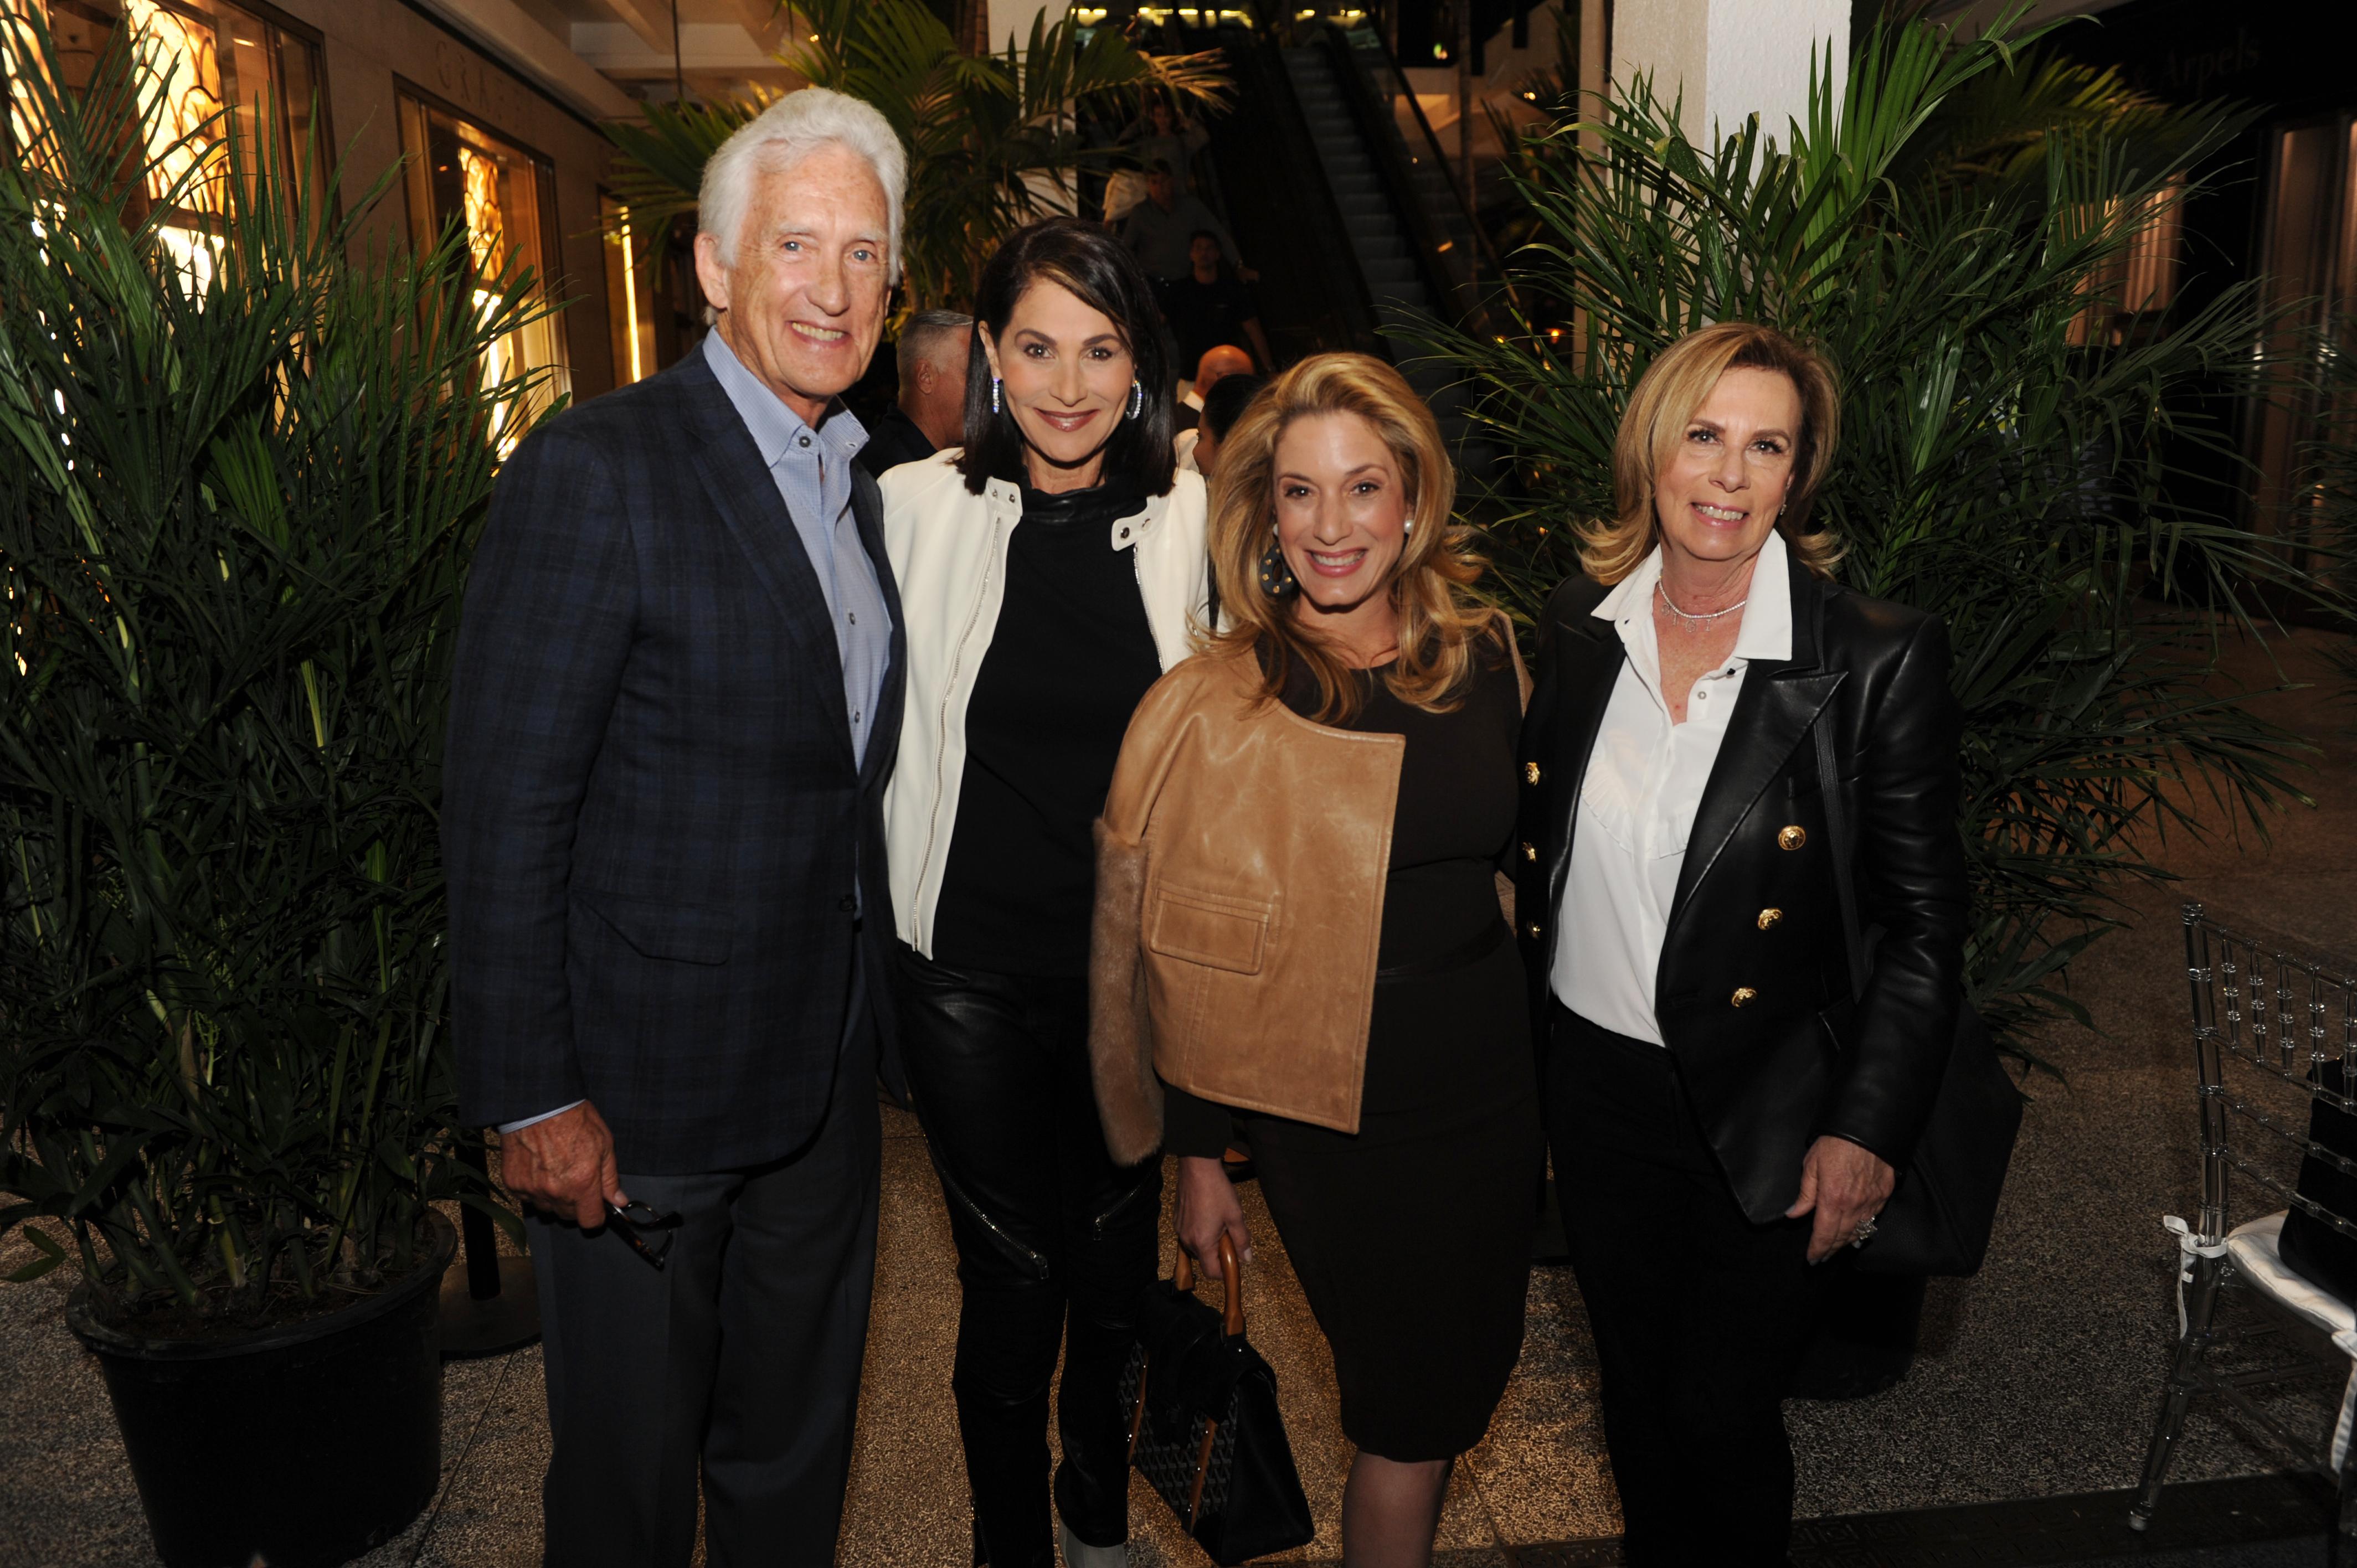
[[1865, 1231]]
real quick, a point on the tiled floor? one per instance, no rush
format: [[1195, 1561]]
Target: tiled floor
[[2037, 1380]]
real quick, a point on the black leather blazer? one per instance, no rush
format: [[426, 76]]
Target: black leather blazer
[[1753, 992]]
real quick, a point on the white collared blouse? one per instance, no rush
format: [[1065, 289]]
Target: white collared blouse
[[1643, 782]]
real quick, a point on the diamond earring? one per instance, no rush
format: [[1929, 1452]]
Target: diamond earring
[[1137, 398], [993, 394]]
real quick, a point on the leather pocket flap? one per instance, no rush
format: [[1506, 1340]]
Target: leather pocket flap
[[684, 933], [1210, 929]]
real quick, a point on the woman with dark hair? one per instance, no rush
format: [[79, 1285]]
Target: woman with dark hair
[[1049, 570]]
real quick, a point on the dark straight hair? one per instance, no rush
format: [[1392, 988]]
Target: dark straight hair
[[1102, 274]]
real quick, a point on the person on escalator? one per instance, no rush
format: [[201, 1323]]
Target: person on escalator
[[1160, 229], [1211, 307]]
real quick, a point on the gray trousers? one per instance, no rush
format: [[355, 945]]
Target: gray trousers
[[740, 1358]]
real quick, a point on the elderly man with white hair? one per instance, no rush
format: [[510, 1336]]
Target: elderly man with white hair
[[676, 700]]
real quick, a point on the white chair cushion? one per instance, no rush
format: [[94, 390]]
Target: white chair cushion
[[2257, 1249]]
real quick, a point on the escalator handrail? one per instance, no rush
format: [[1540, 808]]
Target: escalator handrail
[[1306, 173], [1338, 39], [1378, 133]]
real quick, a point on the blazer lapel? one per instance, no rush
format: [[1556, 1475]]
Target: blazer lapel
[[868, 515], [747, 498], [1588, 664], [1771, 717]]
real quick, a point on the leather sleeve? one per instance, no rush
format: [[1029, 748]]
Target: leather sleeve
[[1910, 873], [545, 631]]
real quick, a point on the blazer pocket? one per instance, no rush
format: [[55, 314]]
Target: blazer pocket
[[681, 933], [1797, 788], [1210, 929]]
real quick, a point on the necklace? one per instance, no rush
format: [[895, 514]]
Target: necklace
[[1697, 620]]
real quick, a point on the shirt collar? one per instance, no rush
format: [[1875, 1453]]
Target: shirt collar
[[773, 426], [1767, 630]]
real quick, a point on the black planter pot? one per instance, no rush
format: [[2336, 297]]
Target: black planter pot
[[305, 1445]]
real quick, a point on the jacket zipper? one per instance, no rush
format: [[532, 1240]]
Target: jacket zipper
[[1015, 1249], [1138, 572], [942, 748]]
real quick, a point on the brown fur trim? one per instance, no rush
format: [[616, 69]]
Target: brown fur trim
[[1121, 1032]]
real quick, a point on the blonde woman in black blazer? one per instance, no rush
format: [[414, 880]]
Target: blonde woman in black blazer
[[1725, 1123]]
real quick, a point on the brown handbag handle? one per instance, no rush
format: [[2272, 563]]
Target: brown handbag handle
[[1231, 1275]]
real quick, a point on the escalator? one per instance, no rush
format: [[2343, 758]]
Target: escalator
[[1337, 192]]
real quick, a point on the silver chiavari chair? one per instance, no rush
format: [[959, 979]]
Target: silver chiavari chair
[[2274, 1034]]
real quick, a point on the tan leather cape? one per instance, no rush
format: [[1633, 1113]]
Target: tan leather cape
[[1240, 863]]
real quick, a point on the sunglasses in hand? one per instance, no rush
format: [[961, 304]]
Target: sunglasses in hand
[[648, 1233]]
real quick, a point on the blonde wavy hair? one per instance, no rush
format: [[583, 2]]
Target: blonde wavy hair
[[1667, 394], [1440, 622]]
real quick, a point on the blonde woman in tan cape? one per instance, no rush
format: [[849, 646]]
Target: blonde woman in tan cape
[[1297, 927]]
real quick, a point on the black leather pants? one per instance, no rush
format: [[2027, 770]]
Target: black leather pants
[[1054, 1244]]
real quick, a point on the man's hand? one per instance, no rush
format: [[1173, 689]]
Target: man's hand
[[1845, 1184], [1208, 1205], [565, 1165]]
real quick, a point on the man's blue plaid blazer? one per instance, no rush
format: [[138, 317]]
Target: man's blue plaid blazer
[[656, 834]]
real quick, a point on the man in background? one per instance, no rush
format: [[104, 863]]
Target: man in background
[[931, 412], [1217, 364], [1221, 409], [1211, 306], [1159, 229]]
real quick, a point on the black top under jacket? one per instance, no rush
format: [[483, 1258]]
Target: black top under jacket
[[895, 440], [1755, 1008], [1068, 662]]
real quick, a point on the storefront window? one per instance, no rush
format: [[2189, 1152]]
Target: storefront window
[[2309, 263], [215, 67], [630, 268], [502, 198], [2141, 282]]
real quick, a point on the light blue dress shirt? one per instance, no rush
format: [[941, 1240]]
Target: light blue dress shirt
[[812, 471]]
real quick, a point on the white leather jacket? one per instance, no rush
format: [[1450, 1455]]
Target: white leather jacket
[[948, 549]]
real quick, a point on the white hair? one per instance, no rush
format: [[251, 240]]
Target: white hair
[[780, 136]]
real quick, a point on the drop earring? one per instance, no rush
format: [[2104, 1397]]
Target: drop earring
[[1277, 578], [993, 394], [1137, 398]]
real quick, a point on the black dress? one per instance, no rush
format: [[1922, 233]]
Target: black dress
[[1412, 1237]]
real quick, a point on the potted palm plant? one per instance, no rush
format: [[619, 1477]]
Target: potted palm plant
[[242, 473]]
